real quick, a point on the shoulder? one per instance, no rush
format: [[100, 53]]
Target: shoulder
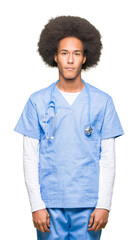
[[98, 93], [40, 94]]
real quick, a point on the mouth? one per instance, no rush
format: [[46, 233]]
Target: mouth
[[70, 68]]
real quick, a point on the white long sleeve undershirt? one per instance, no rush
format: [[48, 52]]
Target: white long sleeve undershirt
[[31, 164]]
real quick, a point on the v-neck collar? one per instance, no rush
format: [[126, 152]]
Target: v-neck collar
[[63, 99]]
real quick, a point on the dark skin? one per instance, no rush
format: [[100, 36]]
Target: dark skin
[[70, 59]]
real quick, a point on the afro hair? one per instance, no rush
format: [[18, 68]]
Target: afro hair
[[70, 26]]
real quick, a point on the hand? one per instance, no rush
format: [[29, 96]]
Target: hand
[[41, 220], [98, 219]]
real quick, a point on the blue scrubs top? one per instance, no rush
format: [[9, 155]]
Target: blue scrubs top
[[69, 163]]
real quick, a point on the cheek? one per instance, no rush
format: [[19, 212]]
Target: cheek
[[78, 60], [79, 64], [61, 63]]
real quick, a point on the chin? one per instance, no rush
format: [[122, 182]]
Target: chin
[[69, 78]]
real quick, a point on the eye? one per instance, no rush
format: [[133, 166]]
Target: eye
[[77, 54], [63, 53]]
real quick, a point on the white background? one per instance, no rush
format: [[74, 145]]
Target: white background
[[23, 72]]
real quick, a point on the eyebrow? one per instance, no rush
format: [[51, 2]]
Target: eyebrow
[[65, 50]]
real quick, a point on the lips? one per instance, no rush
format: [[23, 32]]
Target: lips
[[70, 68]]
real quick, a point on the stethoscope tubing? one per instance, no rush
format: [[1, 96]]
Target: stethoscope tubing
[[53, 104]]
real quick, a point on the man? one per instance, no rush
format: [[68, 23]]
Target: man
[[69, 131]]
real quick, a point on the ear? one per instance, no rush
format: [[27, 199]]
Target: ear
[[84, 59], [55, 57]]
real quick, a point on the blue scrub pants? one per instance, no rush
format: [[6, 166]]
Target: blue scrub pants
[[69, 224]]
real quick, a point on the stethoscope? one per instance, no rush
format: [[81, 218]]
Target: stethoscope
[[51, 104]]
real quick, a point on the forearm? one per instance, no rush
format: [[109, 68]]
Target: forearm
[[107, 174], [30, 166]]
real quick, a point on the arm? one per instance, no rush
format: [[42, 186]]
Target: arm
[[99, 217], [107, 174], [30, 164]]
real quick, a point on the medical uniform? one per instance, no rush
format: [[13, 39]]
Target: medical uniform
[[69, 163]]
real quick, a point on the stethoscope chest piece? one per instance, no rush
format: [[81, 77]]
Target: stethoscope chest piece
[[88, 130]]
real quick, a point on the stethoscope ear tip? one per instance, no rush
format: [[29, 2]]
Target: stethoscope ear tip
[[49, 138]]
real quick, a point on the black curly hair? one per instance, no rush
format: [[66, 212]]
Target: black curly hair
[[70, 26]]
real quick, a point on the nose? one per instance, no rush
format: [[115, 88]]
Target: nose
[[70, 58]]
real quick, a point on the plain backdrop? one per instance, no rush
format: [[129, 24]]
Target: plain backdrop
[[22, 72]]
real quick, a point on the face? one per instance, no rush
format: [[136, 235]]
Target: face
[[70, 58]]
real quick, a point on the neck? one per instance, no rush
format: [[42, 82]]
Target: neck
[[70, 85]]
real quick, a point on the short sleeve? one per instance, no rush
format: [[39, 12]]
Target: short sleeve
[[111, 124], [28, 123]]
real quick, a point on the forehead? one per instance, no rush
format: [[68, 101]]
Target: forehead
[[70, 43]]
